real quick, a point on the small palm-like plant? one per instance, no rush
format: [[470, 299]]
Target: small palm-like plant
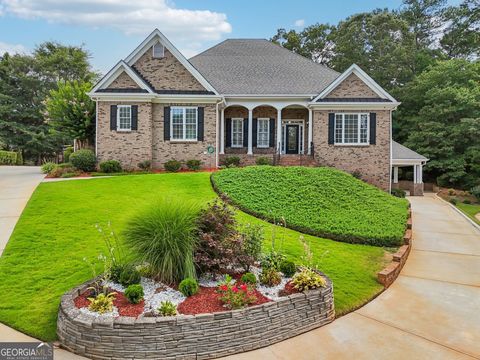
[[164, 235]]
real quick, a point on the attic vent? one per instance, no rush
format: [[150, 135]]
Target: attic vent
[[158, 51]]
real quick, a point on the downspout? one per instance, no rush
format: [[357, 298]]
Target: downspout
[[217, 127], [96, 126]]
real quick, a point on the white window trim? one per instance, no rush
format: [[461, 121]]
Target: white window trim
[[343, 143], [118, 118], [184, 124], [231, 133], [268, 133]]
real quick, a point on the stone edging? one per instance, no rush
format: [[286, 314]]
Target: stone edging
[[203, 336], [388, 275]]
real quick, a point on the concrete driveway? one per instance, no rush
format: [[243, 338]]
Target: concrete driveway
[[432, 311]]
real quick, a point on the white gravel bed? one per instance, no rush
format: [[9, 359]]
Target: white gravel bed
[[210, 280]]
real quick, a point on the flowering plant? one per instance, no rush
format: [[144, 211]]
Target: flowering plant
[[236, 296]]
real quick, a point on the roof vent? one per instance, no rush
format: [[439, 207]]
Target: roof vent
[[158, 51]]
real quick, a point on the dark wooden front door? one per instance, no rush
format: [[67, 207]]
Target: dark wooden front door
[[293, 139]]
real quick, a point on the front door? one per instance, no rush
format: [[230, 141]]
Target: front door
[[292, 145]]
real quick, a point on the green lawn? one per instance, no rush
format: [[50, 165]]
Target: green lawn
[[319, 201], [44, 257], [470, 210]]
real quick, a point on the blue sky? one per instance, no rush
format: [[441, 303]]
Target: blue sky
[[111, 29]]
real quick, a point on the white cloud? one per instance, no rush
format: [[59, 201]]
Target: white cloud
[[12, 48], [137, 17], [300, 23]]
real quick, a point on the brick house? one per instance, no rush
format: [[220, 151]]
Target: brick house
[[250, 98]]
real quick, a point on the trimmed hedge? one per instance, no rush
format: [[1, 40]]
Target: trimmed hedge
[[10, 158], [84, 160], [321, 201]]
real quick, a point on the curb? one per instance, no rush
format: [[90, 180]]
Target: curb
[[473, 223]]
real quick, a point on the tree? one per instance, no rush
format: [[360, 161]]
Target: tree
[[440, 118], [70, 111], [313, 42]]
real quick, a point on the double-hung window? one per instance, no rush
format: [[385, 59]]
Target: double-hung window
[[237, 132], [263, 133], [124, 118], [184, 123], [351, 129]]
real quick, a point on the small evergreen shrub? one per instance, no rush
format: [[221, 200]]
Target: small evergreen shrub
[[172, 165], [475, 191], [115, 271], [66, 154], [308, 279], [263, 160], [194, 164], [288, 268], [270, 277], [188, 287], [129, 276], [231, 161], [398, 193], [110, 166], [453, 201], [134, 293], [83, 160], [249, 278], [145, 165], [48, 167], [167, 308]]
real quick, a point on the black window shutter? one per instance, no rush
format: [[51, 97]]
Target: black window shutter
[[254, 132], [200, 113], [373, 128], [331, 128], [113, 117], [272, 132], [166, 123], [228, 132], [245, 132], [134, 117]]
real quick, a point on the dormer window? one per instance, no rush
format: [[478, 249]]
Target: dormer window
[[158, 51]]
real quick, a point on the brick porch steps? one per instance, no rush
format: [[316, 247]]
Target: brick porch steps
[[297, 160]]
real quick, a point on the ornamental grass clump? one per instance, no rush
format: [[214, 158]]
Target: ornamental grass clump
[[164, 236]]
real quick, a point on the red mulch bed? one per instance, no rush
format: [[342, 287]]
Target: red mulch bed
[[208, 301], [289, 289], [121, 302]]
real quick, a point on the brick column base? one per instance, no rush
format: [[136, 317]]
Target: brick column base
[[417, 190]]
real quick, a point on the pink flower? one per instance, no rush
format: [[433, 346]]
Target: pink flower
[[235, 289], [224, 288], [243, 287]]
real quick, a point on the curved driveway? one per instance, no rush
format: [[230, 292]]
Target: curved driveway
[[431, 311]]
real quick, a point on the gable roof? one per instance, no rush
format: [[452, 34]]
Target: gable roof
[[400, 152], [260, 67], [110, 77], [356, 70]]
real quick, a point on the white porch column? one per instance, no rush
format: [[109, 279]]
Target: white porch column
[[279, 130], [310, 131], [395, 174], [222, 131], [415, 174], [420, 174], [250, 132]]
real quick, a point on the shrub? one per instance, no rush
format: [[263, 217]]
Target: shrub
[[167, 308], [19, 158], [163, 235], [220, 244], [66, 154], [398, 193], [475, 191], [451, 192], [234, 296], [307, 279], [83, 160], [172, 165], [272, 260], [62, 171], [8, 157], [102, 303], [129, 276], [115, 271], [467, 201], [188, 287], [453, 201], [110, 166], [194, 164], [357, 174], [231, 161], [249, 278], [288, 268], [48, 167], [134, 293], [263, 160], [67, 175], [270, 277], [145, 165], [252, 239]]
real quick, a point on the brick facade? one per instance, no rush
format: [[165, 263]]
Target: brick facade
[[352, 87], [204, 336], [123, 81]]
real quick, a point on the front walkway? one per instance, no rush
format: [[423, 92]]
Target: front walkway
[[431, 311]]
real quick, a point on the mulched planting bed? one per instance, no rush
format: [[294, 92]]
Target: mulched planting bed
[[125, 308]]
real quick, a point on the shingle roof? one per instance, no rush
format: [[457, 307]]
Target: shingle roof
[[258, 66], [400, 152]]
